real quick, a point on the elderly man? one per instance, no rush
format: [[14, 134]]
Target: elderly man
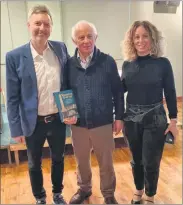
[[96, 85], [34, 72]]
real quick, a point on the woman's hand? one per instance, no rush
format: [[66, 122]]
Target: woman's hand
[[172, 128]]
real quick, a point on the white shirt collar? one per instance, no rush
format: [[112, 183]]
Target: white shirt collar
[[35, 53], [88, 59]]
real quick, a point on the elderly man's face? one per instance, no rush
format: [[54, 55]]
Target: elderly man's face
[[40, 27], [85, 40]]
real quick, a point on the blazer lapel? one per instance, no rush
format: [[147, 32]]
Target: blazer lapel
[[59, 56], [29, 64]]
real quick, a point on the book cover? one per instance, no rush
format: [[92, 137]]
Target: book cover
[[66, 104]]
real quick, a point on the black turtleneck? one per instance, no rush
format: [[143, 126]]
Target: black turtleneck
[[146, 78]]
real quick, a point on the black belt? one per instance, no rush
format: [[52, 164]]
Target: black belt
[[48, 118]]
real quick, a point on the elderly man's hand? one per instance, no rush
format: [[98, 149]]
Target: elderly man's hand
[[117, 126], [70, 121]]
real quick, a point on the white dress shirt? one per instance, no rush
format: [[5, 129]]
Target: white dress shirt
[[47, 70]]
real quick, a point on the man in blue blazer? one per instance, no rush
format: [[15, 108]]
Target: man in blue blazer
[[33, 72]]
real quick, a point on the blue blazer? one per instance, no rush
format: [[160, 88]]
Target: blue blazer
[[21, 86]]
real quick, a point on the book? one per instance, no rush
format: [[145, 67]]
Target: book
[[66, 104]]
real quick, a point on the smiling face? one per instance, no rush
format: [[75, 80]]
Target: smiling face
[[142, 41], [85, 39], [40, 26]]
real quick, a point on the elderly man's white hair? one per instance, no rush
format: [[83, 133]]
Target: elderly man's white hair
[[79, 24]]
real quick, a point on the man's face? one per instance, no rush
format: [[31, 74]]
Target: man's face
[[85, 39], [40, 27]]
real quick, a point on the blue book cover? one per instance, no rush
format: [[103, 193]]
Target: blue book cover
[[66, 104]]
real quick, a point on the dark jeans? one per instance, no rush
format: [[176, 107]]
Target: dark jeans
[[54, 132], [146, 141]]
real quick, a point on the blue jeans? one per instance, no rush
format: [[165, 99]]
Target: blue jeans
[[146, 141]]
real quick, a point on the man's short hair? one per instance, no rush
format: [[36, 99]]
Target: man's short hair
[[38, 9]]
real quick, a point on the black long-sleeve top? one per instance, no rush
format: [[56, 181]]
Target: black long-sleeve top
[[146, 78]]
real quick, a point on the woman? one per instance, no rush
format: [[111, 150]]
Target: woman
[[145, 75]]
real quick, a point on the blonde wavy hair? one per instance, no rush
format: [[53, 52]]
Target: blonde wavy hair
[[128, 49]]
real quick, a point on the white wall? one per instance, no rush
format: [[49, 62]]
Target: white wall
[[171, 26], [14, 30], [111, 17], [18, 22], [6, 41]]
